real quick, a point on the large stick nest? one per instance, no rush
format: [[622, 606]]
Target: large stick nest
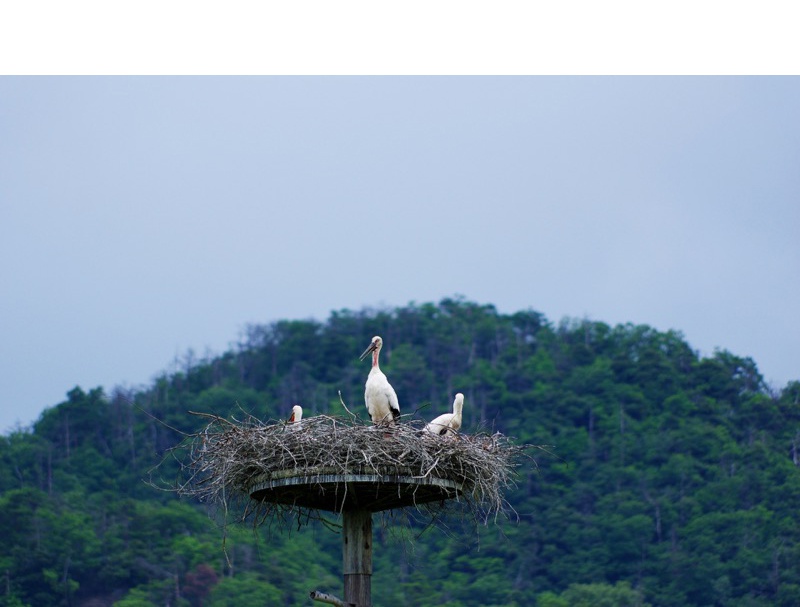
[[222, 462]]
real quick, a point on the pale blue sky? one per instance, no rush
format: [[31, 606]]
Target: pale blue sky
[[141, 217]]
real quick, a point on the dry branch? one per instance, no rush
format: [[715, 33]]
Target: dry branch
[[327, 598]]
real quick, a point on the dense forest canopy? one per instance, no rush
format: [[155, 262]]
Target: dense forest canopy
[[675, 480]]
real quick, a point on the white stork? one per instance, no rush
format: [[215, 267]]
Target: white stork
[[297, 414], [448, 422], [379, 396]]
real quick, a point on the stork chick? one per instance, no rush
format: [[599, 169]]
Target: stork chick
[[448, 422], [379, 396]]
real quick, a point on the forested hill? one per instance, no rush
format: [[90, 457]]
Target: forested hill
[[676, 481]]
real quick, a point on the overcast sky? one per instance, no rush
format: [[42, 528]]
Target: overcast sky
[[141, 217]]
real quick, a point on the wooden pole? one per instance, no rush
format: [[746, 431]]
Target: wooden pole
[[357, 555]]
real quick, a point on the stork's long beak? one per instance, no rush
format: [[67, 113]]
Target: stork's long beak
[[367, 351]]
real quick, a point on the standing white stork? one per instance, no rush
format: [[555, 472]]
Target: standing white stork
[[448, 422], [379, 396], [297, 414]]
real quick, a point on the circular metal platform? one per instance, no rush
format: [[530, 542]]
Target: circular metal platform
[[322, 489]]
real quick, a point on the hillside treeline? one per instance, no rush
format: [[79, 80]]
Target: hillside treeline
[[674, 478]]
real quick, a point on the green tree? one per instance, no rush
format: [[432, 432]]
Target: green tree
[[594, 595], [676, 478], [247, 590]]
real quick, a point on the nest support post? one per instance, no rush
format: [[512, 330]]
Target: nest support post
[[357, 557]]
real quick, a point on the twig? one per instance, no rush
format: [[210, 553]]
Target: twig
[[429, 469], [341, 400], [216, 418]]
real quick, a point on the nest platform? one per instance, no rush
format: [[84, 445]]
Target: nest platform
[[336, 492], [338, 464]]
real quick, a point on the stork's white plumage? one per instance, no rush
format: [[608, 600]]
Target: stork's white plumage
[[379, 396], [297, 414], [448, 422]]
